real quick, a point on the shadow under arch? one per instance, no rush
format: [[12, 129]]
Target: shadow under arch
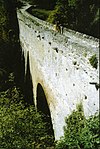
[[43, 107], [28, 86]]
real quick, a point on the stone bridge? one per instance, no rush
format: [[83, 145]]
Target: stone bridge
[[60, 65]]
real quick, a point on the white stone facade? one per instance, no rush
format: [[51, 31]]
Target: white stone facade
[[60, 63]]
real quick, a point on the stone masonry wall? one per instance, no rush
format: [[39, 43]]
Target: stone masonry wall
[[60, 63]]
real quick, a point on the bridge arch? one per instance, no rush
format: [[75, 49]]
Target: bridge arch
[[42, 105]]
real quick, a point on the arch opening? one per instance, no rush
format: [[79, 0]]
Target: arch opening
[[43, 107]]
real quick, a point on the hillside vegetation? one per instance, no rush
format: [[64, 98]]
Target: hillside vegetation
[[79, 15], [79, 132]]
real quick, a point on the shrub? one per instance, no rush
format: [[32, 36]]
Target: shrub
[[21, 127], [53, 16], [94, 61], [79, 132], [59, 14]]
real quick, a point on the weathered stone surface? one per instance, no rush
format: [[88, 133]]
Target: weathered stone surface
[[60, 63]]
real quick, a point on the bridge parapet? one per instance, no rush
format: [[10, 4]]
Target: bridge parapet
[[60, 63]]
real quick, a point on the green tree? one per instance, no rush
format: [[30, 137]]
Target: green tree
[[20, 125], [60, 13], [80, 15], [79, 132]]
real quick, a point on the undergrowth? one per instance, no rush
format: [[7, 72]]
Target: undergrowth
[[93, 61], [79, 132], [21, 127]]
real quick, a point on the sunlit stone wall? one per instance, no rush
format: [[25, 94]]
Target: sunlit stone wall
[[60, 63]]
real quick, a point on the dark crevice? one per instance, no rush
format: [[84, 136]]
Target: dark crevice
[[28, 86]]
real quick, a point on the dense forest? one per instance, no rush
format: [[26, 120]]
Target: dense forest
[[21, 126]]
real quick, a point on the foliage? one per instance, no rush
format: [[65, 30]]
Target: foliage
[[20, 125], [78, 15], [79, 132], [19, 4], [94, 61], [60, 13], [42, 4], [40, 13]]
